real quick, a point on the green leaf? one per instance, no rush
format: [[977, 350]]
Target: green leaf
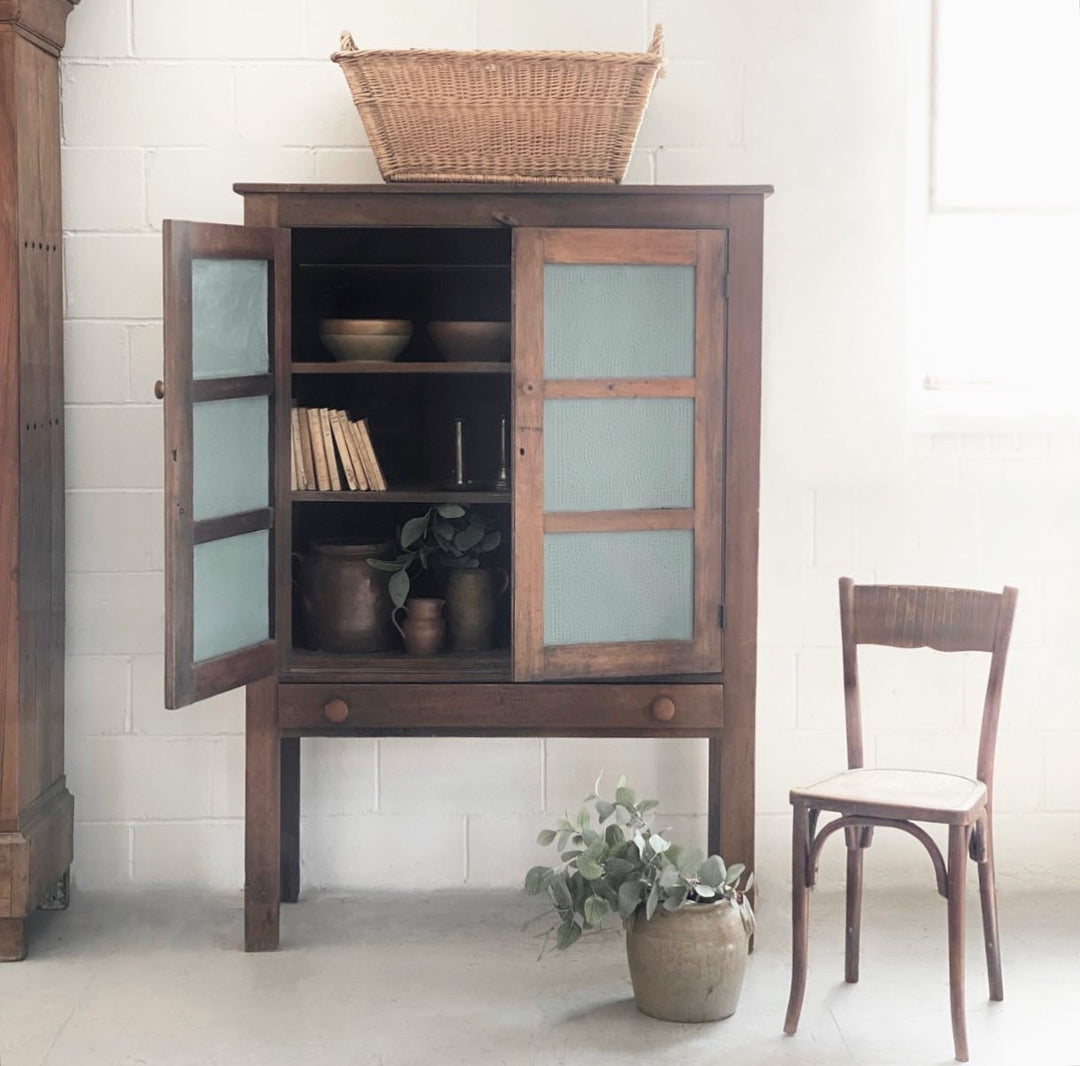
[[535, 879], [624, 796], [590, 869], [492, 539], [545, 837], [704, 891], [658, 843], [399, 588], [564, 836], [749, 883], [619, 867], [651, 901], [591, 837], [688, 860], [613, 836], [595, 909], [569, 856], [560, 892], [450, 510], [605, 891], [674, 901], [629, 897], [734, 872], [647, 805], [385, 565], [413, 531], [468, 538], [670, 877], [568, 933], [712, 871], [604, 810]]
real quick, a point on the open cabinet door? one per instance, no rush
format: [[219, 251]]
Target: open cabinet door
[[619, 456], [226, 336]]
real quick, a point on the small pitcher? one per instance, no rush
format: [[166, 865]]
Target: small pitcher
[[424, 629]]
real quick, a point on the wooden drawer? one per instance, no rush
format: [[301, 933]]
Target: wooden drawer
[[539, 709]]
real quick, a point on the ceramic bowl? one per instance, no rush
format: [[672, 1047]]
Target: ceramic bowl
[[472, 342], [365, 339]]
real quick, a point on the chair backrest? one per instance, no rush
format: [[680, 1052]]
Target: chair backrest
[[918, 616]]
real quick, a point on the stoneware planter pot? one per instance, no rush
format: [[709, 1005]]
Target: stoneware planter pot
[[470, 606], [424, 628], [688, 965], [345, 604]]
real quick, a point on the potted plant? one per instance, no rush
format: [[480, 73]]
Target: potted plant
[[451, 538], [687, 917]]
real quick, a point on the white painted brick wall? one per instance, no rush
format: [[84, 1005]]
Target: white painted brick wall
[[165, 106]]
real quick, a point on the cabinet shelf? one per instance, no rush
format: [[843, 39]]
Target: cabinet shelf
[[400, 368], [410, 494], [491, 665]]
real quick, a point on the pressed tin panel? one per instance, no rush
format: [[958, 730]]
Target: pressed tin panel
[[603, 321], [230, 456], [229, 317], [618, 454], [231, 594], [613, 587]]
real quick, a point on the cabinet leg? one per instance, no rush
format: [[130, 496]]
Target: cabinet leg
[[713, 833], [262, 819], [290, 819], [60, 896], [12, 939]]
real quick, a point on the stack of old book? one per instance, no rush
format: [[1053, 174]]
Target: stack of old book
[[331, 452]]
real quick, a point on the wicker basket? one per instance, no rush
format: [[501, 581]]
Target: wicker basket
[[501, 116]]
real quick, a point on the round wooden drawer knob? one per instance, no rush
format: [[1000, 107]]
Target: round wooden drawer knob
[[663, 708], [336, 711], [159, 389]]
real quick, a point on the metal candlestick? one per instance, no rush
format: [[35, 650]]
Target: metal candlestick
[[502, 478]]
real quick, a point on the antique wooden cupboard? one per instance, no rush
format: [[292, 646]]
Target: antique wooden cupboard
[[36, 808], [630, 527]]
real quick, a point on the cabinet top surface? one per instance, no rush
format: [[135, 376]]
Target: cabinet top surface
[[451, 189]]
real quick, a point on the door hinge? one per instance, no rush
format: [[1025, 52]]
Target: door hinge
[[720, 616]]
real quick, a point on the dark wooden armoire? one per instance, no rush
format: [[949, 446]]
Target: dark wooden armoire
[[36, 808]]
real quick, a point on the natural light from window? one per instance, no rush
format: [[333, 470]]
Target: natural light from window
[[997, 247]]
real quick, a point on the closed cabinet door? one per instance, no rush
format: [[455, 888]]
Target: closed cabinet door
[[226, 333], [618, 452]]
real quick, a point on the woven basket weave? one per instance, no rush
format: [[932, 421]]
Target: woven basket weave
[[435, 115]]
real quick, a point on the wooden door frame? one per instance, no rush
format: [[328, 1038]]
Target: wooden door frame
[[705, 250], [185, 680]]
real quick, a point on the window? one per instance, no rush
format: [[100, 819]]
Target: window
[[995, 240]]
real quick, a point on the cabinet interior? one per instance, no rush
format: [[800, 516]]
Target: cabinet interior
[[421, 275]]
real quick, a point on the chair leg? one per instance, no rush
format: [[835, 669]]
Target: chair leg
[[800, 914], [958, 855], [988, 898], [854, 913]]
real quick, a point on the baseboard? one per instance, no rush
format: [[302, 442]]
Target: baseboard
[[36, 856]]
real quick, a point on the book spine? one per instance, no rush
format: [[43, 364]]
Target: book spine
[[296, 452], [322, 474], [328, 447], [358, 447], [375, 474], [344, 455], [293, 482], [306, 448], [348, 429]]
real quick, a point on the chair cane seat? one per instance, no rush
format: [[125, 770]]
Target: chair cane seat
[[922, 795]]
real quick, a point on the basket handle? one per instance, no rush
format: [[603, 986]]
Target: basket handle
[[656, 47], [349, 45]]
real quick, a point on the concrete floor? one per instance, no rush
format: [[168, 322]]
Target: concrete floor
[[384, 980]]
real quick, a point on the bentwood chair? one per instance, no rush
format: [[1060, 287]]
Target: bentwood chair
[[908, 617]]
